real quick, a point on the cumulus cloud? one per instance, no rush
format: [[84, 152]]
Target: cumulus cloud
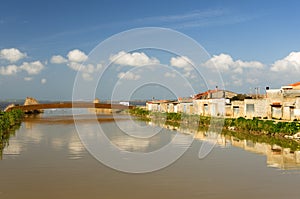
[[221, 62], [75, 66], [74, 60], [58, 59], [182, 62], [88, 68], [290, 62], [224, 62], [129, 76], [43, 81], [9, 70], [133, 59], [77, 56], [32, 68], [12, 55]]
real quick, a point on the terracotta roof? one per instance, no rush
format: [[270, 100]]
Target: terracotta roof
[[199, 95], [276, 104], [295, 84]]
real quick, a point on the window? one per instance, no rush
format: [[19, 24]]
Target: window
[[236, 110], [249, 108]]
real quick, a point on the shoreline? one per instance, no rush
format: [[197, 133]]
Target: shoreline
[[256, 130]]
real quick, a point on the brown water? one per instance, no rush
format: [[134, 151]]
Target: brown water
[[47, 160]]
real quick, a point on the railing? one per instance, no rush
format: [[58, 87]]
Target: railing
[[69, 105]]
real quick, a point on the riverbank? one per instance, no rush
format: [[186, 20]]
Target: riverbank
[[9, 122], [269, 131]]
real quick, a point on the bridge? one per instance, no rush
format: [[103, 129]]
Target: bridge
[[62, 105]]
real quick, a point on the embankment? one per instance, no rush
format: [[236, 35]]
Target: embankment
[[268, 131], [9, 122]]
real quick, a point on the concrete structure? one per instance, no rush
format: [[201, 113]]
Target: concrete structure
[[215, 94], [186, 106], [69, 105], [158, 105], [255, 108], [284, 103], [237, 109], [209, 107]]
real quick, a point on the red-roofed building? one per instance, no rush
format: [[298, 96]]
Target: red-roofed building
[[295, 86], [215, 94], [284, 102]]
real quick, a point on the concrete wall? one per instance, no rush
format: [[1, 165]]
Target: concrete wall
[[186, 107], [255, 108], [297, 108], [237, 109], [210, 107], [274, 106]]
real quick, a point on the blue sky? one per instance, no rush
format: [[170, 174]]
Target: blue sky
[[252, 43]]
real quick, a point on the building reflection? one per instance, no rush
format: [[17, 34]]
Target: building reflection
[[277, 156]]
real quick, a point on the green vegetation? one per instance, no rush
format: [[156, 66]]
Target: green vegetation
[[253, 126], [280, 141], [267, 131], [268, 127], [139, 112], [9, 122]]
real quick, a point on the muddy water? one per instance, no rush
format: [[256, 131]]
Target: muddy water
[[45, 159]]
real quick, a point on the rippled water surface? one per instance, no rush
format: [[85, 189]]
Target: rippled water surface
[[45, 159]]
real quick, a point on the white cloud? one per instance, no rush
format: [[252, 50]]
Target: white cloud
[[129, 76], [43, 81], [87, 76], [89, 68], [168, 74], [290, 62], [32, 68], [249, 64], [224, 62], [27, 78], [133, 59], [9, 70], [74, 65], [77, 56], [182, 62], [252, 80], [58, 59], [12, 55], [74, 61]]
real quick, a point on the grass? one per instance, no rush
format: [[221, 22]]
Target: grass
[[256, 130]]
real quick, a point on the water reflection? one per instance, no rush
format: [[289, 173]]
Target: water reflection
[[44, 131], [277, 156], [5, 142], [75, 147], [45, 159]]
